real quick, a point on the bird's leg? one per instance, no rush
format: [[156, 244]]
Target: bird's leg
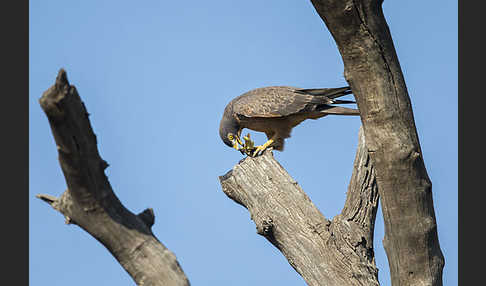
[[259, 149], [249, 146], [236, 147], [235, 139], [238, 140], [243, 148]]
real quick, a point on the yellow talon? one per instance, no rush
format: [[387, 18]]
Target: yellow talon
[[249, 146], [261, 148], [236, 140]]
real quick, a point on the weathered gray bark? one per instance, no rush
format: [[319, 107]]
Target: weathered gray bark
[[323, 252], [374, 74], [89, 201]]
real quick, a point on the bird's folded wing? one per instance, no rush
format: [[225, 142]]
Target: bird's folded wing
[[271, 102]]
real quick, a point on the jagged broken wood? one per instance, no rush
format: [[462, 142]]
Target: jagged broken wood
[[322, 251], [90, 202]]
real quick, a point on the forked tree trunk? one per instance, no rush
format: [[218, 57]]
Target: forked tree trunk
[[323, 252], [411, 241], [89, 201]]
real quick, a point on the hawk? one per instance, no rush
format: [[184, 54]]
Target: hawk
[[275, 110]]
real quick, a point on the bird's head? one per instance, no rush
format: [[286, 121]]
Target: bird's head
[[228, 129]]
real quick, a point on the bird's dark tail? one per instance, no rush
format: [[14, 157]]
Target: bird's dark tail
[[338, 110], [328, 92], [339, 101]]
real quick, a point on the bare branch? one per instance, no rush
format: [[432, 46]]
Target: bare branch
[[90, 201], [47, 198]]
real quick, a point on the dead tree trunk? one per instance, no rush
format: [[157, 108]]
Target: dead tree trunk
[[372, 69], [323, 252], [287, 218], [89, 201]]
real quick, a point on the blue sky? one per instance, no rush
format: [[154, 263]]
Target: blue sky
[[155, 77]]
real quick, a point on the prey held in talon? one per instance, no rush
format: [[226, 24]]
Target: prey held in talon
[[275, 110], [247, 148]]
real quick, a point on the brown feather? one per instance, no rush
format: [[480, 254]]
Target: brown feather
[[275, 101]]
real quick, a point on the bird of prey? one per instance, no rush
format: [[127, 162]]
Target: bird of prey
[[275, 111]]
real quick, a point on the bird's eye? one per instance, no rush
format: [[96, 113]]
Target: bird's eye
[[230, 136]]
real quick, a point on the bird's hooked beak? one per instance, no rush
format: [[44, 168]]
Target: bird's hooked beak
[[236, 141]]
